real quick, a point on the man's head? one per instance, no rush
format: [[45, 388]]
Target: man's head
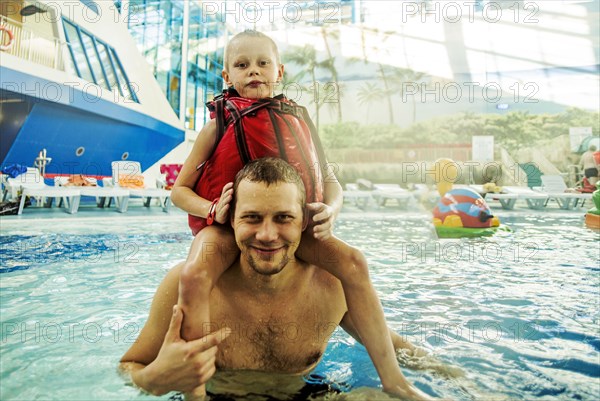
[[267, 214], [252, 65], [592, 148]]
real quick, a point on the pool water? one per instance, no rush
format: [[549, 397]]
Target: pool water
[[518, 312]]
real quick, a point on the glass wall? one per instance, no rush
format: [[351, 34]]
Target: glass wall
[[158, 28], [412, 79]]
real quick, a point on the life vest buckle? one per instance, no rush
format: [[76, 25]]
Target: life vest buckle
[[287, 108]]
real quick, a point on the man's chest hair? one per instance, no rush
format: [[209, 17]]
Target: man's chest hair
[[274, 345]]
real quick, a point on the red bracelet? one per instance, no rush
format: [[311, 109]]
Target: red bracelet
[[212, 211]]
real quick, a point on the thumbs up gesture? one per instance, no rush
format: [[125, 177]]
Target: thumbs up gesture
[[183, 365]]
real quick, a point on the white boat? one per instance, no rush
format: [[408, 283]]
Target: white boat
[[73, 82]]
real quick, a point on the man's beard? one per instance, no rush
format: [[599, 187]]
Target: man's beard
[[273, 270]]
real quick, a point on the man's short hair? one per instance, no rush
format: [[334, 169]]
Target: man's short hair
[[269, 170], [253, 34], [593, 148]]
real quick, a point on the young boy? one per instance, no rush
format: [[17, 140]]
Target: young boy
[[252, 67]]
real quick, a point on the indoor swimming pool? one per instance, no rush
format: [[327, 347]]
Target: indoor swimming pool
[[518, 313]]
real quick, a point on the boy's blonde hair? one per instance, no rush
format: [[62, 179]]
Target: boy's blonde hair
[[253, 34]]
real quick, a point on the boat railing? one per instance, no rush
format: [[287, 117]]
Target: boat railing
[[27, 44]]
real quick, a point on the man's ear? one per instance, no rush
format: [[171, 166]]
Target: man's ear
[[280, 73]]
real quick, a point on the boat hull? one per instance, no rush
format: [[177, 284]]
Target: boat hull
[[82, 134]]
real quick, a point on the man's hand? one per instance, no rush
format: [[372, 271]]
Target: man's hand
[[180, 365], [323, 218], [222, 210]]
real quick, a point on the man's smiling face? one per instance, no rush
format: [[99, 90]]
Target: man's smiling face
[[268, 225]]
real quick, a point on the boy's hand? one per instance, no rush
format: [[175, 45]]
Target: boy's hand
[[222, 210], [323, 219]]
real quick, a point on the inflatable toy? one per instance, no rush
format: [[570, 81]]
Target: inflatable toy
[[461, 212]]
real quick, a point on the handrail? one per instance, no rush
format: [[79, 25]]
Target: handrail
[[30, 45]]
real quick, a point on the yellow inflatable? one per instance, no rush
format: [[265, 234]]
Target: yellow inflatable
[[446, 174]]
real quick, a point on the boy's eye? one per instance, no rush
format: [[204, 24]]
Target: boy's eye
[[265, 62], [241, 65]]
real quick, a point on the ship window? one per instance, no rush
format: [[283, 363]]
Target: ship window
[[127, 87], [97, 62], [90, 49], [79, 58], [108, 65]]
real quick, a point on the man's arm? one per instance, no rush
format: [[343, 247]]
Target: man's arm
[[160, 361]]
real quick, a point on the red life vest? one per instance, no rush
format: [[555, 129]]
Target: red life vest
[[249, 129]]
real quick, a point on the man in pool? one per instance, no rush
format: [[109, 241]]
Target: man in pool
[[270, 311]]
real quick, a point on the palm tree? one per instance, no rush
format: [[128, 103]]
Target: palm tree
[[367, 94], [307, 58], [330, 65], [387, 91], [401, 76]]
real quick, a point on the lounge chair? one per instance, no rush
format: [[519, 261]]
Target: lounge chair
[[361, 198], [102, 194], [554, 186], [385, 192], [507, 200], [535, 200], [31, 184], [128, 175]]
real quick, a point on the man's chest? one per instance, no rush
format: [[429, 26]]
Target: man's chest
[[273, 337]]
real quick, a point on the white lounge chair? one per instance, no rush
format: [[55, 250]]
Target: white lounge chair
[[361, 198], [507, 200], [384, 192], [31, 183], [133, 169], [535, 200], [102, 194], [554, 186]]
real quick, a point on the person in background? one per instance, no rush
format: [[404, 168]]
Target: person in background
[[590, 165]]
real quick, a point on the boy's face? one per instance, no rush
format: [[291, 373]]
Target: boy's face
[[252, 67]]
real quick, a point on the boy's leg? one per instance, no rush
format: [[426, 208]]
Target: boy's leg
[[212, 251], [349, 266]]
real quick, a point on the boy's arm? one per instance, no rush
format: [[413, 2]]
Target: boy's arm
[[399, 343], [182, 194], [332, 190], [324, 213], [408, 354]]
